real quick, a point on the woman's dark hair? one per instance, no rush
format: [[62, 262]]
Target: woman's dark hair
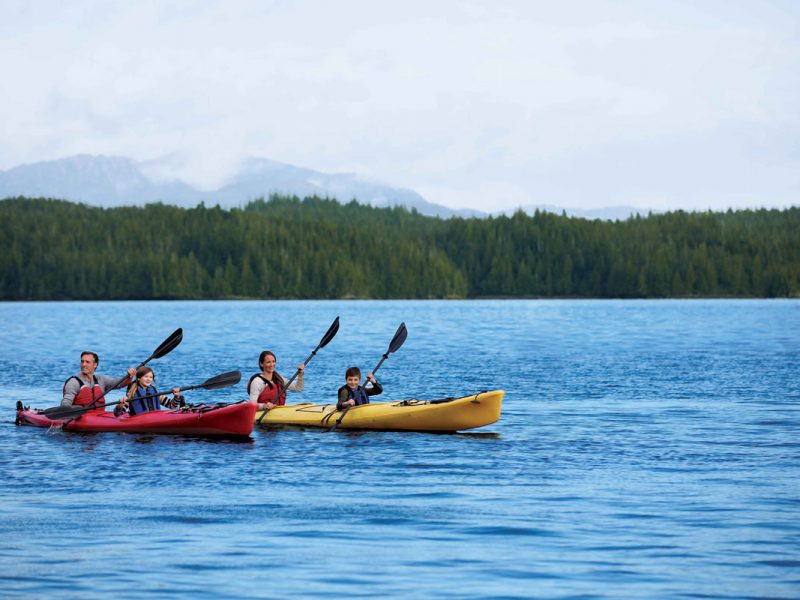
[[275, 375]]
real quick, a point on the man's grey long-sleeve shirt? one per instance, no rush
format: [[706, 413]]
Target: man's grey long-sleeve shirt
[[72, 387]]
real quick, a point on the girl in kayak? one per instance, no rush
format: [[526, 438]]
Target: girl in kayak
[[352, 394], [143, 396], [265, 389]]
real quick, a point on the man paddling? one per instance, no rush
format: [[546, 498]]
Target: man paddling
[[82, 389]]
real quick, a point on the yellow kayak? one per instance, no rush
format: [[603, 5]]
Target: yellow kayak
[[446, 414]]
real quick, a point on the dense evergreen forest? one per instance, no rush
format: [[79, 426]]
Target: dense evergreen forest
[[317, 248]]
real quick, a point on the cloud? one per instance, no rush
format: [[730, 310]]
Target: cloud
[[580, 104]]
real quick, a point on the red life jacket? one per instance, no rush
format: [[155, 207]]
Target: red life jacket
[[86, 394], [270, 392]]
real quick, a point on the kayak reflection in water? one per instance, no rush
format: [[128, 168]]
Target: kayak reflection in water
[[143, 396], [265, 389], [352, 394]]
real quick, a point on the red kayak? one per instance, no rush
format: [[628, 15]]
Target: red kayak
[[225, 420]]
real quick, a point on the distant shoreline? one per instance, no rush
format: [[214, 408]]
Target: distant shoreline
[[318, 249]]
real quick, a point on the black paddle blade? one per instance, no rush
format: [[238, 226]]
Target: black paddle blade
[[329, 334], [169, 344], [399, 337], [65, 412], [54, 410], [222, 381]]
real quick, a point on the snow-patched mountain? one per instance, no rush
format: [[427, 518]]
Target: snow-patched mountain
[[98, 180], [116, 181], [259, 177]]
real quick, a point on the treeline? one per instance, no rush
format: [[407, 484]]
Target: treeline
[[318, 248]]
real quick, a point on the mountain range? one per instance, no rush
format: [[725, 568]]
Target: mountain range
[[117, 181]]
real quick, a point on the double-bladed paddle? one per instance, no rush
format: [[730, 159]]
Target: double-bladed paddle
[[214, 383], [399, 337], [167, 346], [322, 343]]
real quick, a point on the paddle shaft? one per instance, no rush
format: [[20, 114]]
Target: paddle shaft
[[157, 395], [209, 384], [296, 374], [213, 383]]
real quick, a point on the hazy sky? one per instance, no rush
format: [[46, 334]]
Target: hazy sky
[[678, 104]]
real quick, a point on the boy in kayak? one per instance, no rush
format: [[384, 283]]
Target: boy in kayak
[[82, 389], [352, 394]]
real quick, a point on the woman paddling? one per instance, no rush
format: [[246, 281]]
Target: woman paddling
[[143, 396], [265, 389]]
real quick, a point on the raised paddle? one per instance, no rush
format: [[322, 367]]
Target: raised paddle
[[399, 337], [167, 346], [214, 383], [322, 343]]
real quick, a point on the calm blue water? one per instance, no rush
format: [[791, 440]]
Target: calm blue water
[[646, 449]]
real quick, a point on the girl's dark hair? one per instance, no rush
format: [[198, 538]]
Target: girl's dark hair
[[140, 372], [275, 375]]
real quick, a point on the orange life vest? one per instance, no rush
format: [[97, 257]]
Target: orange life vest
[[270, 393], [87, 394]]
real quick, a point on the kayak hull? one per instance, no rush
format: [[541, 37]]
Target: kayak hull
[[447, 414], [229, 420]]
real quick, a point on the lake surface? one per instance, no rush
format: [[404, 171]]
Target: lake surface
[[646, 449]]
